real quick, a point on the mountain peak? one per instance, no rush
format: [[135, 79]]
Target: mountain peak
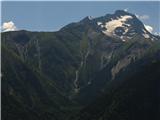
[[123, 25]]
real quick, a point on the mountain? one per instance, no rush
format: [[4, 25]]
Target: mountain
[[86, 66], [134, 96], [26, 93]]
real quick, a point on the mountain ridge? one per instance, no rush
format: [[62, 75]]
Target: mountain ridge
[[75, 65]]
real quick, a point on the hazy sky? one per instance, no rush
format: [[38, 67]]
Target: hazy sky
[[51, 16]]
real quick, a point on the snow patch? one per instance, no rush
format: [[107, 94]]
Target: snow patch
[[99, 23], [90, 17], [122, 38], [102, 26], [128, 25], [113, 24], [148, 28]]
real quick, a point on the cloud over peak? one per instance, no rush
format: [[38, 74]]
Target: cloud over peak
[[126, 9], [143, 17], [8, 26], [156, 33]]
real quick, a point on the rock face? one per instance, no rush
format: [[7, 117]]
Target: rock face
[[73, 67]]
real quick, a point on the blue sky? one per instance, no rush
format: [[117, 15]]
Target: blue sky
[[51, 16]]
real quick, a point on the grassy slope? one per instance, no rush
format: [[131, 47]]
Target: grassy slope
[[27, 94]]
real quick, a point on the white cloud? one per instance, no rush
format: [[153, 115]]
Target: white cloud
[[156, 33], [148, 28], [145, 17], [142, 17], [8, 26], [126, 9]]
